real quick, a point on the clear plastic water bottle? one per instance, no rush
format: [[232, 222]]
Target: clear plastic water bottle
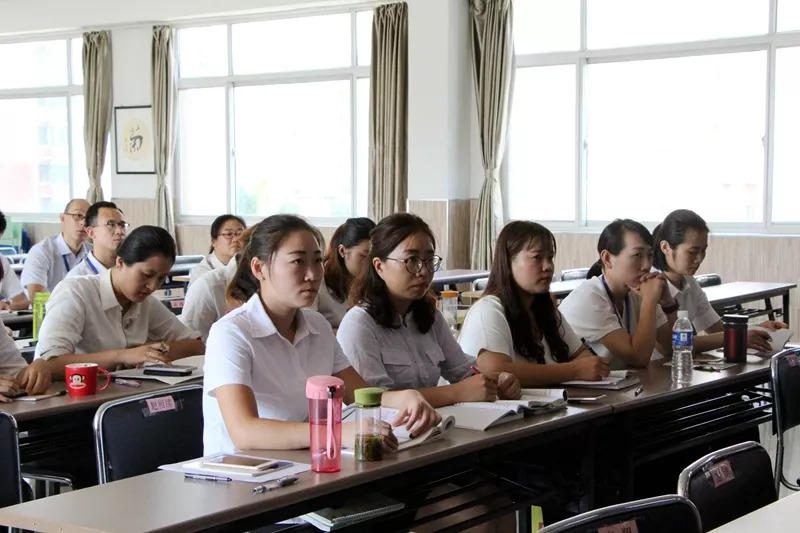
[[682, 347]]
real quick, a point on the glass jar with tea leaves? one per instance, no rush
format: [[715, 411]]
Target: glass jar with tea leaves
[[369, 442]]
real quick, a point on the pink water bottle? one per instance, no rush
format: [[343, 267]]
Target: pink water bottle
[[324, 395]]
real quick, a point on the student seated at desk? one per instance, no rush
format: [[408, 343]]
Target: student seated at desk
[[260, 355], [225, 233], [12, 297], [50, 260], [345, 258], [681, 242], [106, 227], [395, 337], [623, 309], [15, 374], [113, 319], [515, 327]]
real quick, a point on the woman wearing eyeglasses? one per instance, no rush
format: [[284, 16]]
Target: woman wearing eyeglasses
[[106, 228], [395, 337], [225, 233]]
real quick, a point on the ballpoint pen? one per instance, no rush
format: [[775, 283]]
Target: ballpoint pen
[[272, 485], [207, 477], [639, 390]]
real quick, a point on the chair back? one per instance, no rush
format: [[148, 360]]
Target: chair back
[[662, 514], [136, 435], [10, 480], [785, 367], [729, 483], [574, 273], [708, 280], [480, 284]]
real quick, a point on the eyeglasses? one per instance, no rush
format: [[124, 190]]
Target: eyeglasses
[[229, 235], [77, 217], [414, 263], [111, 225]]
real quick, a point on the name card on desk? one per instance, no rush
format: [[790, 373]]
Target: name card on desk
[[629, 526]]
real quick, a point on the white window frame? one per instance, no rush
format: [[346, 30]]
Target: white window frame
[[769, 42], [67, 91], [230, 81]]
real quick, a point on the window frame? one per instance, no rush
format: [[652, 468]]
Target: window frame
[[583, 57], [230, 81]]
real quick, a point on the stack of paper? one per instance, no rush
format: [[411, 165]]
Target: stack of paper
[[616, 380]]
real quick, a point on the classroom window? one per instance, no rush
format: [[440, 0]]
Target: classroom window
[[41, 144], [278, 121], [656, 106]]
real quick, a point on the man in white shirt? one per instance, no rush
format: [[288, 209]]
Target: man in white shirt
[[50, 260], [106, 228]]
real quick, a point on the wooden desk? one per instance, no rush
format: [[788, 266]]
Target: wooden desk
[[779, 517]]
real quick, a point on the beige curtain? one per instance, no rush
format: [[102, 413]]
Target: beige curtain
[[493, 69], [97, 106], [388, 134], [165, 100]]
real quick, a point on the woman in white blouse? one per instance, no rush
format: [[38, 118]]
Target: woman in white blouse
[[12, 297], [15, 374], [260, 355], [395, 337], [113, 319], [623, 309], [345, 258], [225, 233], [681, 242], [515, 327]]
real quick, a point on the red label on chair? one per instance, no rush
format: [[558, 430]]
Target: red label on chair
[[721, 473], [157, 405], [176, 304], [629, 526]]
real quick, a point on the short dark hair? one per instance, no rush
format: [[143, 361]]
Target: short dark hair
[[220, 221], [370, 291], [144, 242], [673, 230], [349, 234], [3, 223], [94, 210], [263, 241], [613, 240]]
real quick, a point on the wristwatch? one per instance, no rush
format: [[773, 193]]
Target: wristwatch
[[669, 309]]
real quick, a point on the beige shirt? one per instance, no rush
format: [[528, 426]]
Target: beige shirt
[[205, 303], [84, 316], [329, 305]]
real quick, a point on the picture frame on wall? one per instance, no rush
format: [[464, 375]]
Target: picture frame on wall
[[133, 134]]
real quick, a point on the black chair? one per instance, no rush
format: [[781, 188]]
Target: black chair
[[708, 280], [136, 435], [729, 483], [662, 514], [10, 479], [786, 406], [574, 273]]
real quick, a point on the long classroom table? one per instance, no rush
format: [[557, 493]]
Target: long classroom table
[[781, 516], [176, 504]]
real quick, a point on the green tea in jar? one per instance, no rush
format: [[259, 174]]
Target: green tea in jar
[[369, 440]]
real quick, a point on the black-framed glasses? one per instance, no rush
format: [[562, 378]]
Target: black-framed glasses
[[77, 217], [111, 225], [230, 235], [414, 263]]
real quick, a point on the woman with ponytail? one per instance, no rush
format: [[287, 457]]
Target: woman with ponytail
[[623, 310], [260, 355]]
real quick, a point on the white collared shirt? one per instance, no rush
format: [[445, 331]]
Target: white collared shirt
[[244, 348], [206, 303], [9, 283], [84, 316], [693, 298], [329, 305], [486, 328], [592, 315], [402, 357], [11, 361], [90, 266], [211, 262], [49, 261]]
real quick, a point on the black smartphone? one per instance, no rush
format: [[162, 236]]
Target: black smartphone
[[163, 370]]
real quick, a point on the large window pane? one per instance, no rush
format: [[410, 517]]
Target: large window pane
[[293, 145], [547, 26], [80, 175], [34, 154], [364, 37], [202, 158], [362, 146], [674, 133], [203, 51], [292, 44], [76, 51], [786, 159], [788, 15], [616, 23], [37, 64], [541, 172]]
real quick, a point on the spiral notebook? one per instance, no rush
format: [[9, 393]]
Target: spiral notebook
[[365, 508]]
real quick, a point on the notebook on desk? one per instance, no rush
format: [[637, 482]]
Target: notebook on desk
[[616, 380], [480, 416]]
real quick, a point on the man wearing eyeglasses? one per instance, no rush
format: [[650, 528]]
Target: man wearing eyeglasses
[[50, 260], [106, 228]]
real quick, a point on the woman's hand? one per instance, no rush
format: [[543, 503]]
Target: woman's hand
[[36, 377], [758, 340], [8, 385], [773, 325], [146, 353], [478, 388], [415, 413], [508, 387], [591, 368]]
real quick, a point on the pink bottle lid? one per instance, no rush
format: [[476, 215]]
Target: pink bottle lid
[[318, 387]]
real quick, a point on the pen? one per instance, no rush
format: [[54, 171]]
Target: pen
[[278, 483], [206, 477], [591, 350], [638, 390], [127, 382], [475, 369]]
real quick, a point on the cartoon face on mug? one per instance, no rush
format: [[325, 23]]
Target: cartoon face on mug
[[77, 381]]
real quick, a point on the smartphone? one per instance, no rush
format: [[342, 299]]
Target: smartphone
[[164, 370], [241, 462], [18, 394]]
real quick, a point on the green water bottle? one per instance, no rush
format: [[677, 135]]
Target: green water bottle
[[39, 301]]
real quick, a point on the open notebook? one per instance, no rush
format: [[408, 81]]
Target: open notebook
[[404, 438], [196, 361], [616, 380]]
